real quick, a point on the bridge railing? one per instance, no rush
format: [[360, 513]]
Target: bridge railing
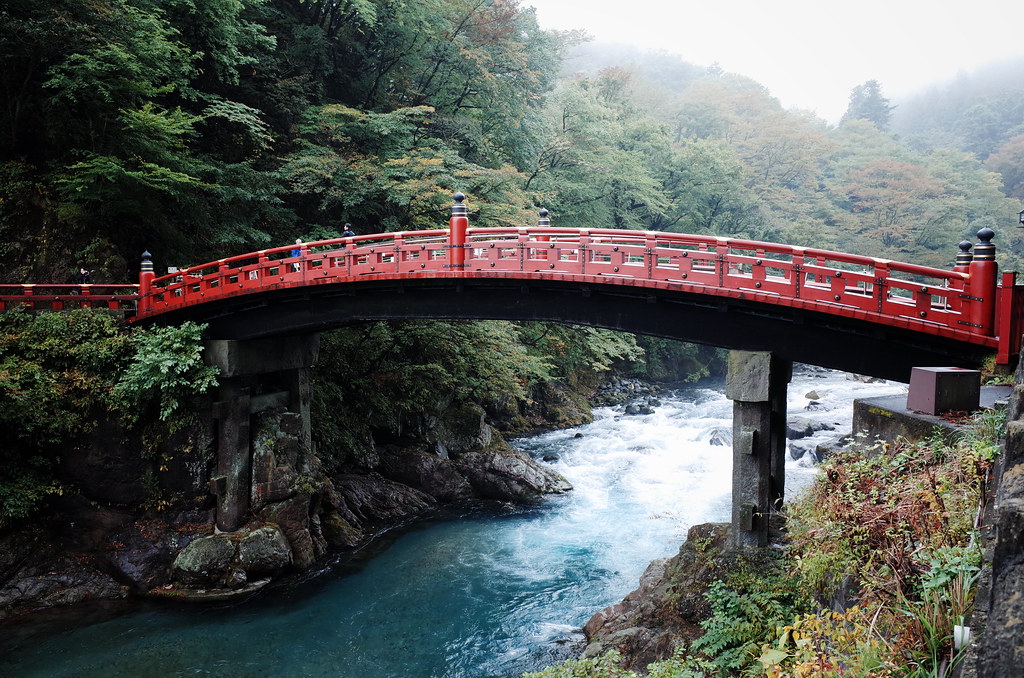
[[324, 261], [843, 283], [741, 266], [44, 297]]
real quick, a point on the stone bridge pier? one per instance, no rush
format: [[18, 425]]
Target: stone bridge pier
[[757, 383], [256, 375]]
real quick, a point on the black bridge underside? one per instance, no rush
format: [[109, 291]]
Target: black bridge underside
[[792, 334]]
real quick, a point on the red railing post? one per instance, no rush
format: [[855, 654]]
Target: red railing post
[[964, 257], [543, 222], [86, 291], [146, 275], [1009, 319], [457, 226], [984, 274]]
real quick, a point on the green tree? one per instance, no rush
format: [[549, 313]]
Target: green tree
[[867, 103], [597, 168]]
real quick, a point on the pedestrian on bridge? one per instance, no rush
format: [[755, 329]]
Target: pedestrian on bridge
[[297, 252], [348, 232]]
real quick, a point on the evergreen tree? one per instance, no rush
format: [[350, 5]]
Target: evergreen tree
[[867, 103]]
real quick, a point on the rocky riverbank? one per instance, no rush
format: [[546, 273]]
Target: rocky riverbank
[[106, 542], [669, 604]]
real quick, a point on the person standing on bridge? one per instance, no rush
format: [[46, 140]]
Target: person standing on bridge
[[83, 276], [348, 232], [297, 252]]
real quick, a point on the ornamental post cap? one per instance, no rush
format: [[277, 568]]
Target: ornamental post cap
[[543, 212], [147, 255], [458, 197], [986, 234], [965, 245]]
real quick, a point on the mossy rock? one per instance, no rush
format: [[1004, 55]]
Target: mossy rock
[[204, 562]]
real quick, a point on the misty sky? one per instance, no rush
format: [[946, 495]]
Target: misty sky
[[810, 53]]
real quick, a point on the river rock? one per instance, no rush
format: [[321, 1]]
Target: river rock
[[798, 450], [638, 408], [292, 516], [236, 578], [510, 475], [264, 551], [416, 467], [204, 562], [720, 436], [619, 390], [36, 573], [368, 502], [801, 427], [142, 554]]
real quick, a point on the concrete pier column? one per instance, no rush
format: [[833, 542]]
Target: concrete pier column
[[756, 383], [234, 460], [255, 376], [300, 398]]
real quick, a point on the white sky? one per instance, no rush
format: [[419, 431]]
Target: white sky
[[810, 53]]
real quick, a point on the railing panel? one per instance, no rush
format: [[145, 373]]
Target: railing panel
[[45, 297]]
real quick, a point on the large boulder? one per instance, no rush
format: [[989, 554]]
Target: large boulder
[[293, 517], [142, 554], [510, 475], [802, 427], [204, 562], [426, 471], [233, 560], [264, 551], [368, 502]]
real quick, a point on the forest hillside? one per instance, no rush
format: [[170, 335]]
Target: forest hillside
[[199, 130]]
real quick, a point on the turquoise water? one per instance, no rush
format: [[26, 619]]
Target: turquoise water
[[499, 591]]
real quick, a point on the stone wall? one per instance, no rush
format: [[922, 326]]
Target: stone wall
[[998, 621]]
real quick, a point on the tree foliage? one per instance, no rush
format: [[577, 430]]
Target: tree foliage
[[235, 124], [388, 376], [63, 374], [167, 368]]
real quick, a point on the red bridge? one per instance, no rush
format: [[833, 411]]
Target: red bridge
[[862, 314]]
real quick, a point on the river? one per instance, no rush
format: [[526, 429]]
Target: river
[[495, 592]]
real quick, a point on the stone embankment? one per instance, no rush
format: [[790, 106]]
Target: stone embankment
[[999, 607]]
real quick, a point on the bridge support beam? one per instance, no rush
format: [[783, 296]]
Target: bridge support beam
[[756, 383], [255, 376]]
